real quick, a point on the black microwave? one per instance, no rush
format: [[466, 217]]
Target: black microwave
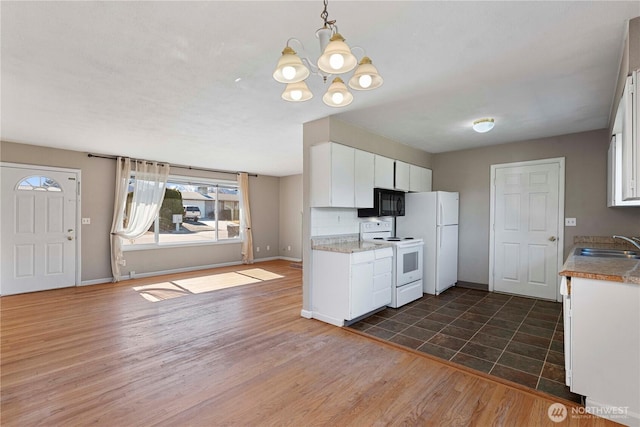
[[385, 203]]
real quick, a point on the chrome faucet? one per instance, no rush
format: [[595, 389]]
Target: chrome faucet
[[633, 240]]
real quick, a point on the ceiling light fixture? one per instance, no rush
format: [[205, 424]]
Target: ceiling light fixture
[[336, 58], [483, 125]]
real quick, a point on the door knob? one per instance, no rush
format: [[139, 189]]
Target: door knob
[[70, 236], [552, 239]]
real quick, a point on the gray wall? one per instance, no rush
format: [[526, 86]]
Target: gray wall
[[291, 216], [468, 172], [97, 186]]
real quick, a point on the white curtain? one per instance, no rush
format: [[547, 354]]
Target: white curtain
[[245, 220], [149, 183]]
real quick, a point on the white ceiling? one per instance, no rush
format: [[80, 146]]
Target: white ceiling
[[157, 80]]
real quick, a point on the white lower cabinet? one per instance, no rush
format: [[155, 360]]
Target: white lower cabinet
[[602, 347], [346, 286]]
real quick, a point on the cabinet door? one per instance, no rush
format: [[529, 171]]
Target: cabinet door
[[614, 176], [364, 179], [630, 154], [402, 176], [361, 298], [419, 179], [383, 172], [332, 175], [342, 176]]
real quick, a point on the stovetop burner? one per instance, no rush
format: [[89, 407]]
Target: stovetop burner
[[393, 239]]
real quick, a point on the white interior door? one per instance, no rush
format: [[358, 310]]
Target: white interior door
[[39, 216], [526, 233]]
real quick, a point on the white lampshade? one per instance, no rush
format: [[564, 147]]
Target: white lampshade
[[337, 57], [366, 76], [483, 125], [297, 92], [337, 95], [290, 68]]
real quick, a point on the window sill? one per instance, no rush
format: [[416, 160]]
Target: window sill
[[153, 246]]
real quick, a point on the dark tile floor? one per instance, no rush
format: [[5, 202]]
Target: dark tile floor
[[515, 338]]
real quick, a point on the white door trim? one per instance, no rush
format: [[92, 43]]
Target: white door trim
[[560, 161], [78, 174]]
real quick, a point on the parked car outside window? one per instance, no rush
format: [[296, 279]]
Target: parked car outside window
[[192, 213]]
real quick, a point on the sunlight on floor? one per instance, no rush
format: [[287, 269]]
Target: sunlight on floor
[[167, 290]]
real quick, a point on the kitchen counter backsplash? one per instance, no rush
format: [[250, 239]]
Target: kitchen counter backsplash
[[606, 240]]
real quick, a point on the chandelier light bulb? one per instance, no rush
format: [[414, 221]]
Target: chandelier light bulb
[[296, 95], [288, 72], [336, 61], [366, 76], [365, 81], [337, 97]]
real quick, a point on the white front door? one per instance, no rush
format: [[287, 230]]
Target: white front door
[[526, 208], [39, 216]]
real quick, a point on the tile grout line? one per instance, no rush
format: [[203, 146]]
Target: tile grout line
[[555, 329], [511, 340]]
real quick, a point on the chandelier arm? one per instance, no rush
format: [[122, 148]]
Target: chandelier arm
[[364, 52], [312, 67], [293, 39]]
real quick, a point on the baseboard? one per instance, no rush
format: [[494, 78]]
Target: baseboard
[[472, 285], [306, 314], [182, 270], [96, 281]]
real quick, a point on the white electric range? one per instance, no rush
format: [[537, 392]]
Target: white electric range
[[407, 260]]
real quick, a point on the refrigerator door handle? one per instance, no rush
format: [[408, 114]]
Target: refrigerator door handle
[[439, 237], [440, 214]]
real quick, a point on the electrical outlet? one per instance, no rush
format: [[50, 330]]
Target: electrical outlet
[[257, 248], [268, 247], [570, 222], [86, 221], [288, 248]]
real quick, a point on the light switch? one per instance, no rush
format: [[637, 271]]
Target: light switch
[[570, 222], [86, 221]]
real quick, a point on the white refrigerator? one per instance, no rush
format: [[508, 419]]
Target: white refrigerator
[[433, 217]]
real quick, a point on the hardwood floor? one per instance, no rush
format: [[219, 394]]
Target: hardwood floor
[[104, 355]]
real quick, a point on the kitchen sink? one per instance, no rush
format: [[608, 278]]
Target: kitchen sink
[[607, 253]]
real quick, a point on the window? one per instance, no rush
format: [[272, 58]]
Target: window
[[193, 211], [39, 183]]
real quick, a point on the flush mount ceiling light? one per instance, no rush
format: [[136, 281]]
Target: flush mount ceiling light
[[483, 125], [336, 58]]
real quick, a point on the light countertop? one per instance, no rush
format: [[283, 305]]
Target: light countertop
[[345, 245], [600, 268]]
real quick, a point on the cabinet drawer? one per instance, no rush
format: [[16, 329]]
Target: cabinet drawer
[[382, 266], [384, 253], [364, 256]]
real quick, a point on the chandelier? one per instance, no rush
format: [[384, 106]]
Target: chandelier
[[336, 59]]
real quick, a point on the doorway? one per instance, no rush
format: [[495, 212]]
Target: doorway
[[40, 233], [526, 229]]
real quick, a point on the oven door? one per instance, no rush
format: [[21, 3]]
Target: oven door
[[408, 263]]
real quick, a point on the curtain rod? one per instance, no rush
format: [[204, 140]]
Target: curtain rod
[[174, 166]]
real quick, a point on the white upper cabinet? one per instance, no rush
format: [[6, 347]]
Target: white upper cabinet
[[332, 175], [614, 177], [626, 125], [364, 178], [402, 176], [419, 179], [383, 172]]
